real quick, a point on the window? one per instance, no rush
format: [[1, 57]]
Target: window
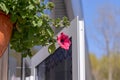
[[56, 67]]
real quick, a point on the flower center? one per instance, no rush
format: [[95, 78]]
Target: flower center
[[62, 40]]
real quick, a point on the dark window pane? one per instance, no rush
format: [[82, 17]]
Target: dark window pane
[[57, 66]]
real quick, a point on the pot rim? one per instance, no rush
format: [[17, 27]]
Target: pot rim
[[3, 13]]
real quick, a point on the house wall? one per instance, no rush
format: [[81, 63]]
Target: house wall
[[4, 66], [69, 9], [14, 69], [62, 8]]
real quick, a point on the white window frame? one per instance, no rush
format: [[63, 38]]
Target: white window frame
[[76, 31]]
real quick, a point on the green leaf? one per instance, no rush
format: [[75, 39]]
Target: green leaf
[[51, 48], [31, 7], [65, 21], [34, 23], [4, 8], [50, 5], [39, 23], [13, 18], [24, 55], [36, 1], [29, 53], [50, 32]]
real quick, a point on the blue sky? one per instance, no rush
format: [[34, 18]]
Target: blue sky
[[90, 8]]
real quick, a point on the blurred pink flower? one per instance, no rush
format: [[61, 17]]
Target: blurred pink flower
[[63, 41]]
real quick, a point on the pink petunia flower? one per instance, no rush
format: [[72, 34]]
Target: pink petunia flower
[[63, 41]]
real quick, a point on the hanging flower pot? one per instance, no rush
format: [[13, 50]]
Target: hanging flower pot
[[31, 26], [5, 31]]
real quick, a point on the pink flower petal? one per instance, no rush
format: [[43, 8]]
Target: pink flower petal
[[63, 41]]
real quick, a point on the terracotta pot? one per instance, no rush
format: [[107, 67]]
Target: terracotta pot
[[5, 31]]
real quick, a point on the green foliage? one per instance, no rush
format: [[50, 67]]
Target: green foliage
[[100, 66], [31, 25], [51, 48], [94, 61]]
